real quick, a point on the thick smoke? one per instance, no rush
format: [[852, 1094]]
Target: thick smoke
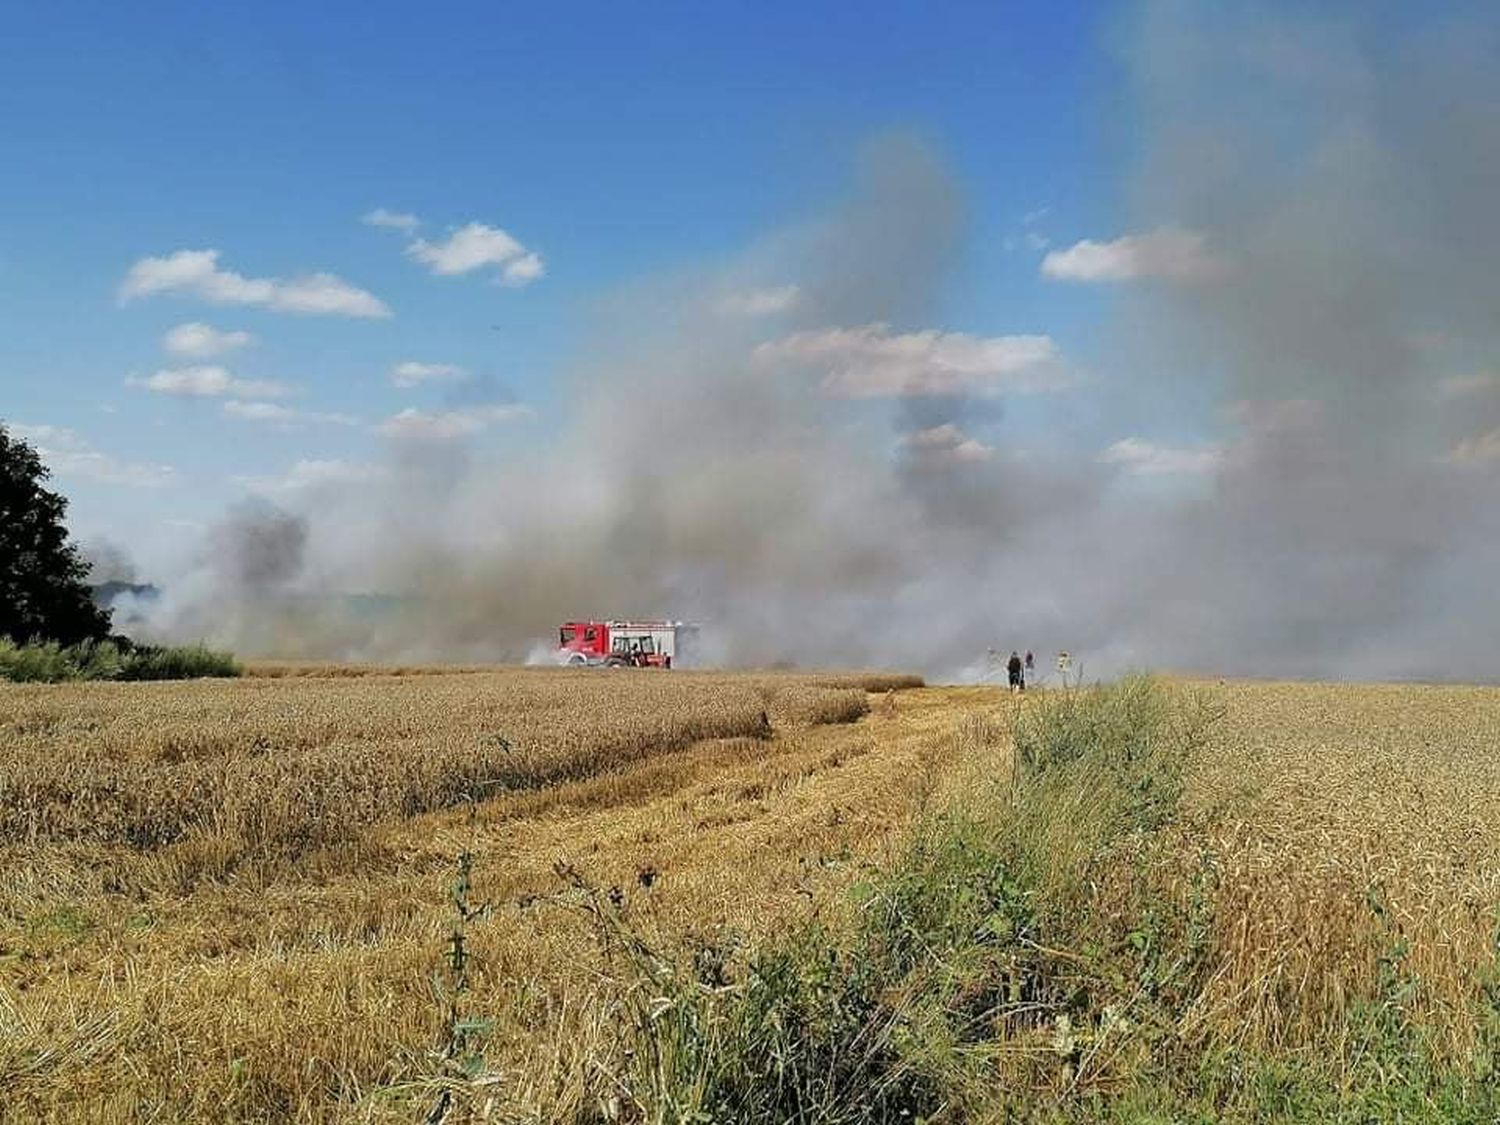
[[258, 548], [719, 456], [244, 588], [107, 562], [1344, 171]]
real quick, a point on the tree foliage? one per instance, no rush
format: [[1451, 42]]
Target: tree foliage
[[43, 592]]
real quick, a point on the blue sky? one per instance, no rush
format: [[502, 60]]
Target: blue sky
[[612, 141], [1208, 377]]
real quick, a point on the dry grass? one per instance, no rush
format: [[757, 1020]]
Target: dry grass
[[264, 768], [264, 946], [1318, 803], [322, 670], [265, 951], [289, 767]]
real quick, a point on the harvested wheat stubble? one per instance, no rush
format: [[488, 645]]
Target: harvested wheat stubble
[[245, 972], [304, 762], [284, 978]]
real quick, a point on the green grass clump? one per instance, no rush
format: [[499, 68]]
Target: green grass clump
[[49, 662], [178, 662], [46, 662]]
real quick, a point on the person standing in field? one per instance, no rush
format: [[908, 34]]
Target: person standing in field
[[1013, 667], [1030, 664]]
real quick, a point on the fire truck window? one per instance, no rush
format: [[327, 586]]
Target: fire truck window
[[646, 645], [568, 635], [590, 634]]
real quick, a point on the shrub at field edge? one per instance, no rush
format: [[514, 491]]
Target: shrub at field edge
[[50, 662]]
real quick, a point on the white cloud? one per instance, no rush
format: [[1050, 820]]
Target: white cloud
[[759, 302], [395, 220], [869, 362], [466, 249], [41, 435], [1028, 236], [68, 454], [422, 425], [202, 341], [207, 382], [411, 373], [523, 270], [1172, 255], [475, 246], [274, 412], [259, 411], [1136, 455], [1026, 240], [1475, 451], [196, 273], [315, 473], [1461, 386], [946, 445]]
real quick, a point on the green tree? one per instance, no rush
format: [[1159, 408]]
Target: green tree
[[42, 588]]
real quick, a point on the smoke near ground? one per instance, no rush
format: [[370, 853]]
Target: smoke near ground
[[791, 449]]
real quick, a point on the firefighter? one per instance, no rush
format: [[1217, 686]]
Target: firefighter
[[1013, 667], [1030, 664]]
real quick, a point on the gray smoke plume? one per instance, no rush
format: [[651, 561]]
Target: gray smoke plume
[[243, 589], [1344, 169], [107, 562], [779, 448], [258, 548]]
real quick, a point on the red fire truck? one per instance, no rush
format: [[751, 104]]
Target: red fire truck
[[624, 644]]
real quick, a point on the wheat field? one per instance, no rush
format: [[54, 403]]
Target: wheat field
[[203, 879], [1345, 821], [231, 900]]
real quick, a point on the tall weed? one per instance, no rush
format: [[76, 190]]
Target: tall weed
[[955, 985]]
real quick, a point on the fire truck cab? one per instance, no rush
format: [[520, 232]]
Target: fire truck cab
[[622, 644]]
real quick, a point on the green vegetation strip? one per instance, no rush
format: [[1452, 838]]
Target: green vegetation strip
[[49, 662]]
